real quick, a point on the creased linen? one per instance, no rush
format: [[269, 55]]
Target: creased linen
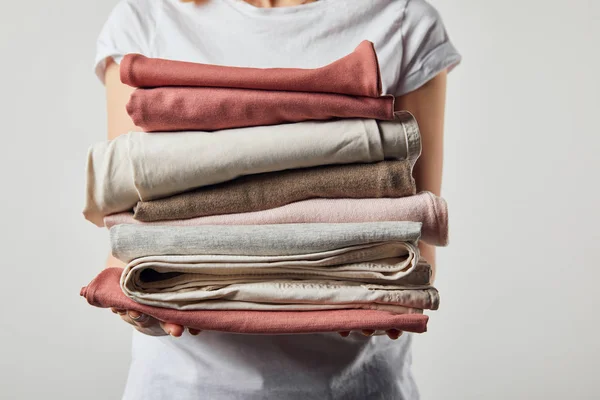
[[104, 291], [355, 74], [139, 166], [264, 191], [396, 264], [425, 207], [287, 294], [209, 109], [134, 241], [316, 281]]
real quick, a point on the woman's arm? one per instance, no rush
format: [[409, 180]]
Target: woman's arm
[[427, 104], [117, 96]]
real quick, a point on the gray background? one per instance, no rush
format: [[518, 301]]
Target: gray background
[[519, 315]]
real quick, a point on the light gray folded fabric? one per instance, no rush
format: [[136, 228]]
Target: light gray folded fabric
[[140, 166], [134, 241]]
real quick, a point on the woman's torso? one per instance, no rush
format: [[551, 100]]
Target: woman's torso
[[231, 32]]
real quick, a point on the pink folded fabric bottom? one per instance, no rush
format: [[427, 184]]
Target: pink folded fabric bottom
[[104, 291], [208, 109], [425, 207]]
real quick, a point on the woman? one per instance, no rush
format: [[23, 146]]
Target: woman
[[414, 54]]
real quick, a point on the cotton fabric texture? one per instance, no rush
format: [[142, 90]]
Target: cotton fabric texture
[[288, 295], [378, 276], [134, 241], [220, 97], [396, 265], [139, 166], [425, 207], [209, 109], [412, 47], [264, 191], [356, 74], [104, 291]]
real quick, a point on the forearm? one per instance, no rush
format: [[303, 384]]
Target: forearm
[[427, 104], [119, 122]]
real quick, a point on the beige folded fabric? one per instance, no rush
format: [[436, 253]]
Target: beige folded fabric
[[301, 282], [274, 189], [390, 262], [141, 166], [290, 295]]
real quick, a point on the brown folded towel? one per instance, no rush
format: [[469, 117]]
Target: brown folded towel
[[269, 190]]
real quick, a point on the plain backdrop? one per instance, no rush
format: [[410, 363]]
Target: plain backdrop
[[519, 316]]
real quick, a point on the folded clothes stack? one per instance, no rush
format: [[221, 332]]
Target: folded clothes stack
[[271, 201]]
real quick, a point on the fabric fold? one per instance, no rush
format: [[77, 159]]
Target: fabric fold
[[356, 74], [209, 109], [392, 263], [270, 190], [104, 291], [284, 283], [134, 241], [292, 296], [158, 165], [425, 207]]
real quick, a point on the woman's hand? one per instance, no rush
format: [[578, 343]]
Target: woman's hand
[[151, 326], [392, 333]]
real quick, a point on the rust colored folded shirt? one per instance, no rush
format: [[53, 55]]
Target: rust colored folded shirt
[[269, 190], [356, 74], [208, 109], [104, 291]]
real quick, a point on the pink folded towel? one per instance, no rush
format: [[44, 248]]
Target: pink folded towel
[[424, 207], [356, 74], [104, 291], [208, 108]]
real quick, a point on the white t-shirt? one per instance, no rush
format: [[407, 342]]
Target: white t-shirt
[[412, 47]]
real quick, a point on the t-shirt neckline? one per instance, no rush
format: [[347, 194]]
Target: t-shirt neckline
[[248, 8]]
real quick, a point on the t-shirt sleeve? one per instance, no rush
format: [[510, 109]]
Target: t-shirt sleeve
[[427, 49], [129, 29]]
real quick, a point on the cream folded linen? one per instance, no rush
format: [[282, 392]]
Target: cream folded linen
[[292, 295], [393, 262], [291, 283], [141, 166], [424, 207], [302, 282], [134, 241]]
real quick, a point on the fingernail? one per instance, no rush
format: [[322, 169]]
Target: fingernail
[[368, 332], [394, 334], [134, 315]]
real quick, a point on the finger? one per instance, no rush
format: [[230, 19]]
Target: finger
[[393, 333], [193, 331], [118, 311], [344, 333], [141, 320], [172, 329], [368, 332], [125, 317]]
